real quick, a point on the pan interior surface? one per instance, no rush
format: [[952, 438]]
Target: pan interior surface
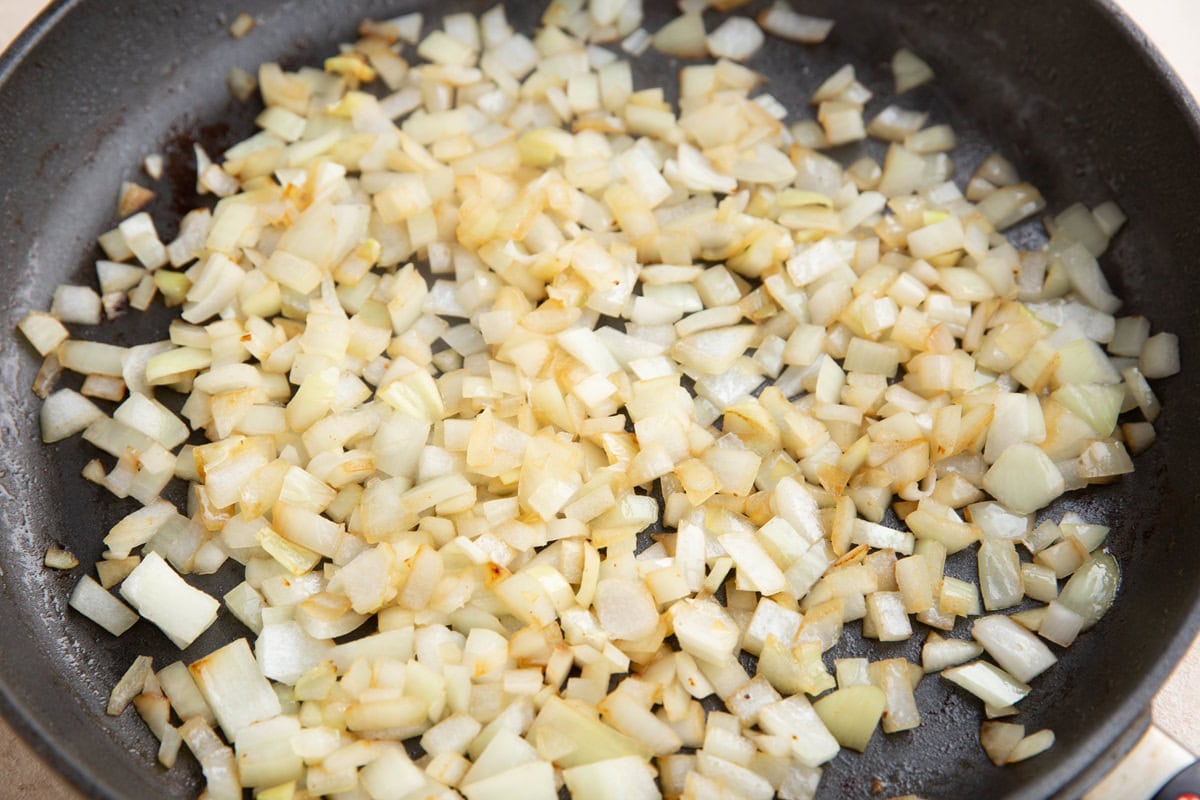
[[1065, 91]]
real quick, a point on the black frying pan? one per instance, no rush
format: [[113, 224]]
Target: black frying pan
[[1070, 91]]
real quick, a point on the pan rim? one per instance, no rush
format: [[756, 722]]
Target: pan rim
[[19, 48], [1082, 768], [1111, 740], [16, 713]]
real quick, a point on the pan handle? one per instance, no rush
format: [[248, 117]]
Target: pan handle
[[1185, 785], [1156, 762]]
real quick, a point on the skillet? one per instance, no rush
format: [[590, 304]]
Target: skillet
[[1071, 92]]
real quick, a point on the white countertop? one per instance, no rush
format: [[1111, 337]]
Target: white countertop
[[1174, 26]]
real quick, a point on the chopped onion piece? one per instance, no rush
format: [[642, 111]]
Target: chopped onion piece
[[130, 685], [780, 20], [1060, 624], [90, 599], [78, 304], [234, 688], [812, 743], [153, 165], [142, 240], [999, 739], [242, 24], [987, 682], [535, 779], [909, 71], [216, 760], [43, 331], [161, 596], [1015, 649], [1024, 479], [1160, 356], [133, 198], [285, 652], [1031, 745], [851, 714], [887, 616], [737, 38], [59, 558], [66, 413], [1092, 588], [265, 755], [682, 37], [1000, 582], [626, 777], [939, 653], [705, 630]]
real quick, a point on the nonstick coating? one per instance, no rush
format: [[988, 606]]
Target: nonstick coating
[[1068, 90]]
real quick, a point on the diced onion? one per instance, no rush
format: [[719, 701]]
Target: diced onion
[[466, 467], [780, 20], [216, 760], [1014, 648], [90, 599], [999, 739], [79, 304], [130, 686], [66, 413], [1091, 589], [939, 653], [987, 682], [163, 597], [1031, 745], [736, 38], [909, 71], [682, 37]]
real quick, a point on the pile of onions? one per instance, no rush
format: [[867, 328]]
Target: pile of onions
[[464, 459]]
